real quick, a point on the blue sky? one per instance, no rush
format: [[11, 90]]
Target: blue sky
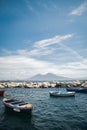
[[43, 36]]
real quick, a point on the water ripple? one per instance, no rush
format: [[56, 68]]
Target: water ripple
[[48, 113]]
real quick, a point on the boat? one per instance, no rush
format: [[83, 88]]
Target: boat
[[2, 92], [78, 90], [18, 106], [61, 94]]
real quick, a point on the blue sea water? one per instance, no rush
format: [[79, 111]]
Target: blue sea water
[[49, 113]]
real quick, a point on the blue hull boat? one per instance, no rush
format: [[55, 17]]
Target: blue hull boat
[[18, 106], [78, 90]]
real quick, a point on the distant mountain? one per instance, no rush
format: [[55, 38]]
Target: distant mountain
[[48, 77]]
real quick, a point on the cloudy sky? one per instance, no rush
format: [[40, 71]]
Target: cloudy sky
[[43, 36]]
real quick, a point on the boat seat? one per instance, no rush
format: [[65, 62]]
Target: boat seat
[[15, 102], [20, 104], [9, 101]]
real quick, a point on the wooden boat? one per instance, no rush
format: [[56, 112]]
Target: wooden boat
[[18, 106], [62, 94], [2, 92]]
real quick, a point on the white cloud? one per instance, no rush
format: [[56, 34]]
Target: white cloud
[[25, 63], [55, 40], [31, 7], [43, 47], [79, 10], [6, 51], [28, 5], [19, 67]]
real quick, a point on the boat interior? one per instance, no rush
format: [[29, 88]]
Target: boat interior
[[16, 102]]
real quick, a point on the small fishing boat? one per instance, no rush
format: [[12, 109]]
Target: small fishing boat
[[61, 94], [78, 90], [2, 92], [18, 106]]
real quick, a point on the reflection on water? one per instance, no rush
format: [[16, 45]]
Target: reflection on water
[[48, 113]]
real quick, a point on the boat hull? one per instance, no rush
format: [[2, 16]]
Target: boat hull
[[1, 92], [16, 110], [58, 94], [78, 90], [16, 107]]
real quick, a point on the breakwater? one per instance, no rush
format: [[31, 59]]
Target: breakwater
[[45, 84]]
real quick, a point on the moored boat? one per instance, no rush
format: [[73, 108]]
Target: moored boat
[[61, 94], [2, 92], [78, 90], [18, 106]]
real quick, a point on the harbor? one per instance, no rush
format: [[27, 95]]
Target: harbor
[[43, 65], [48, 112]]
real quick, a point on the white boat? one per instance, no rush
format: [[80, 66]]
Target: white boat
[[61, 94]]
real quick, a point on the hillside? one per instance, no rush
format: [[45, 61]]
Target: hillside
[[48, 77]]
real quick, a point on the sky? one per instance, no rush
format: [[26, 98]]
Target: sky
[[43, 36]]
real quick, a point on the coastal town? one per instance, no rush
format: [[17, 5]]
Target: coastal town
[[40, 84]]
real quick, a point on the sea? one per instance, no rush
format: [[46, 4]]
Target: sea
[[49, 113]]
